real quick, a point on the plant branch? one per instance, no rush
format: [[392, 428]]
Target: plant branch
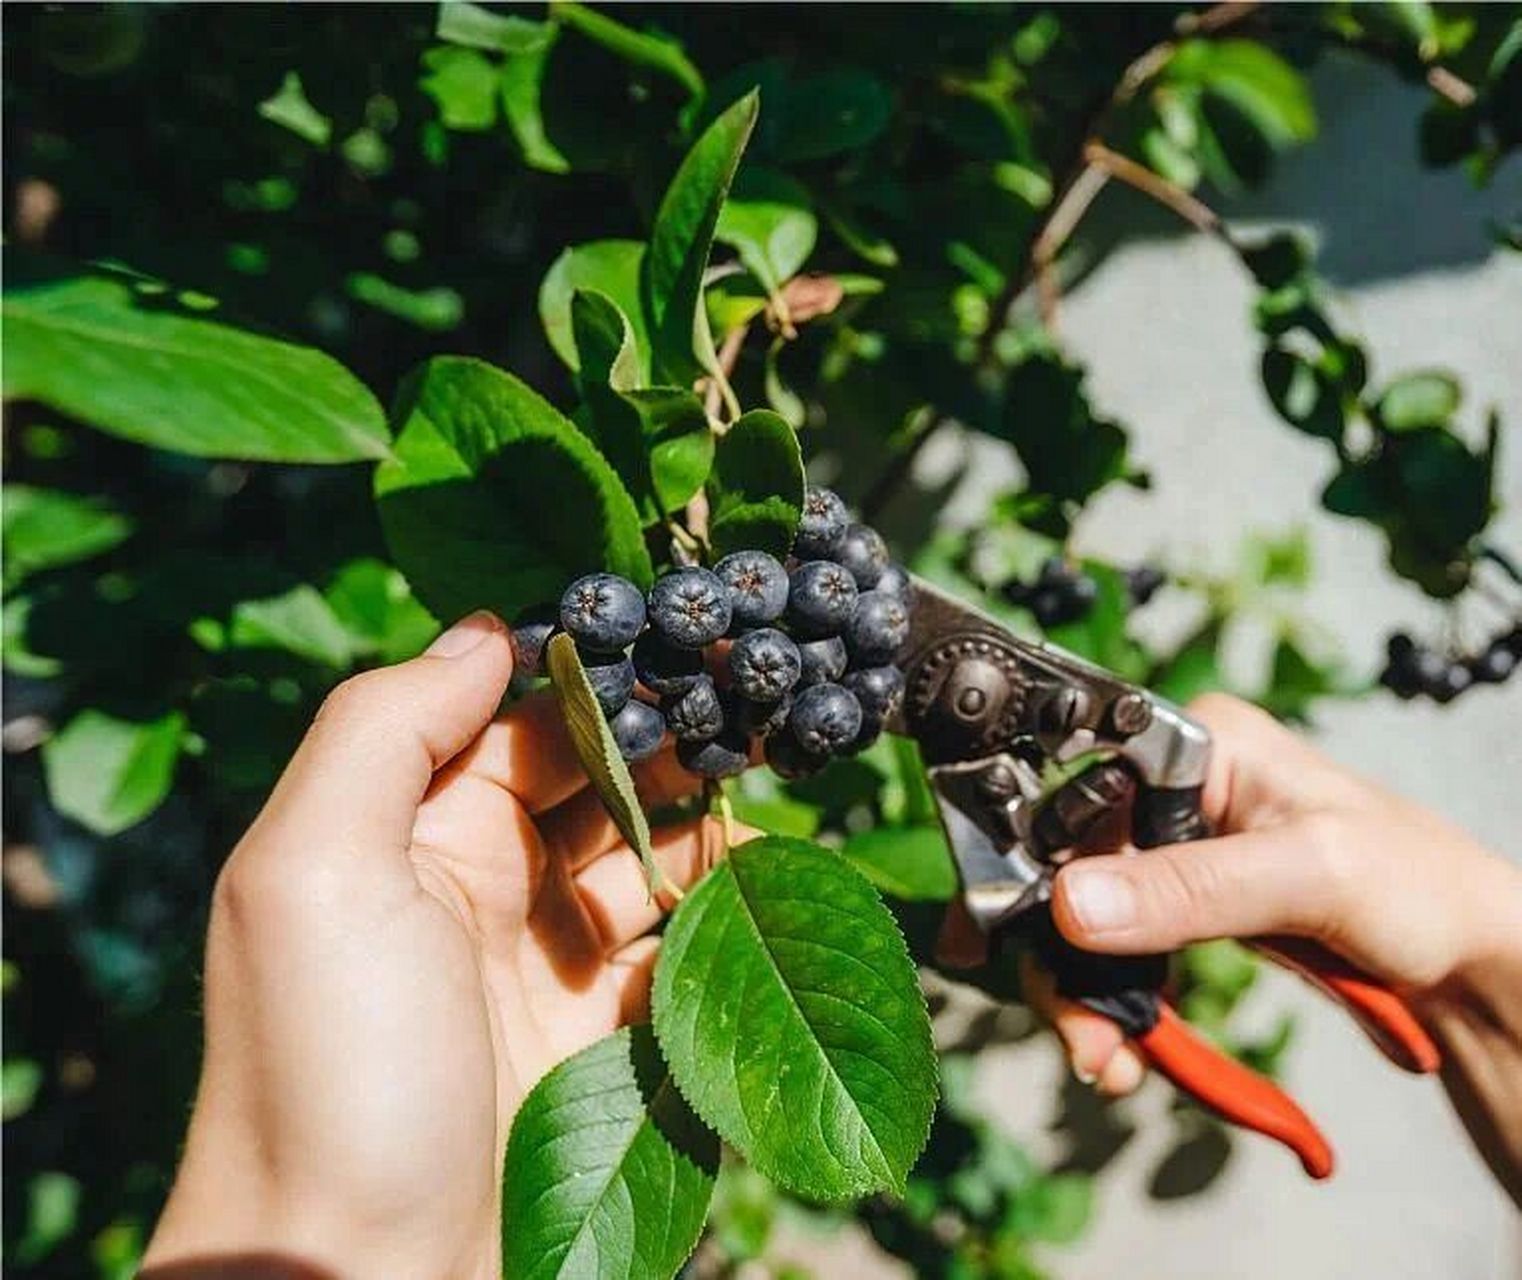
[[719, 391], [1137, 176]]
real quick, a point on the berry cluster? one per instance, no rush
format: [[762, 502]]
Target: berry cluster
[[800, 654], [1063, 593], [1412, 669]]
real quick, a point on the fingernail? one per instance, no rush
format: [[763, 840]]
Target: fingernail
[[464, 636], [1100, 901], [1082, 1076]]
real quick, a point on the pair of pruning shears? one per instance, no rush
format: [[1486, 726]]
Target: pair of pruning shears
[[991, 712]]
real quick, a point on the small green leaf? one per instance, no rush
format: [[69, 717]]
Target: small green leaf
[[842, 109], [1419, 400], [112, 351], [608, 1172], [658, 438], [1192, 670], [791, 1016], [611, 267], [910, 863], [1278, 260], [523, 101], [108, 774], [477, 27], [1100, 635], [1255, 80], [438, 309], [298, 621], [20, 1079], [15, 649], [379, 611], [494, 500], [1303, 394], [52, 1213], [597, 751], [1224, 965], [671, 279], [756, 491], [769, 220], [290, 108], [45, 528], [464, 85], [659, 53]]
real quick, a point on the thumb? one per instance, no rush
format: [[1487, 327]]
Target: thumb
[[1277, 880], [366, 762]]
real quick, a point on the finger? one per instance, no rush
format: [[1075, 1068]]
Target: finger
[[370, 755], [581, 830], [633, 969], [1089, 1039], [1284, 879], [527, 751], [617, 896], [1123, 1074]]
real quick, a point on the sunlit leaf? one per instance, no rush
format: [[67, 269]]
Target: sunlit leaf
[[108, 773]]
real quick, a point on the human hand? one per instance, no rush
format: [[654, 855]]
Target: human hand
[[432, 910]]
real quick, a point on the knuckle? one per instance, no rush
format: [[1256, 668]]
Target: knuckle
[[1225, 714], [1329, 847], [361, 697], [1187, 894]]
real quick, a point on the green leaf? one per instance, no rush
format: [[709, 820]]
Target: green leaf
[[1255, 80], [608, 1172], [20, 1079], [113, 352], [1100, 635], [1426, 399], [842, 109], [788, 1008], [671, 278], [768, 219], [1303, 394], [477, 27], [15, 649], [52, 1214], [290, 109], [494, 500], [658, 439], [464, 85], [1194, 669], [298, 621], [1224, 965], [45, 528], [756, 491], [1055, 1208], [610, 267], [380, 613], [910, 863], [597, 751], [1277, 260], [1296, 681], [523, 78], [437, 310], [108, 774], [659, 53]]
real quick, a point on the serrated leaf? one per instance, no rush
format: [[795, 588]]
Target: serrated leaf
[[1427, 399], [659, 53], [657, 438], [494, 499], [671, 277], [612, 268], [107, 773], [118, 353], [756, 491], [769, 220], [608, 1172], [791, 1016], [597, 751], [910, 863], [45, 528]]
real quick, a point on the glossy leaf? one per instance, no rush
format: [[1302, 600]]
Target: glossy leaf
[[910, 863], [45, 528], [768, 220], [121, 354], [377, 608], [463, 84], [494, 500], [756, 491], [612, 268], [671, 278], [608, 1172], [658, 438], [597, 751], [107, 773], [791, 1016]]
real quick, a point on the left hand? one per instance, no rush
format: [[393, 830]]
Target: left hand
[[432, 910]]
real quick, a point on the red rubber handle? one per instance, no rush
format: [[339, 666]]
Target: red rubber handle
[[1384, 1016], [1231, 1090]]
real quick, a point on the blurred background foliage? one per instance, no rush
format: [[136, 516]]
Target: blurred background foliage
[[389, 182]]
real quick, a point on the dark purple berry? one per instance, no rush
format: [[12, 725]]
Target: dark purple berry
[[718, 757], [764, 664], [638, 730], [530, 635], [821, 598], [1400, 680], [611, 676], [690, 608], [823, 660], [696, 714], [1049, 604], [822, 524], [788, 758], [1055, 572], [759, 719], [1495, 664], [880, 690], [1083, 593], [1399, 647], [878, 628], [1454, 680], [663, 668], [602, 612], [896, 582], [825, 718], [1144, 582], [757, 586], [1513, 641], [862, 551]]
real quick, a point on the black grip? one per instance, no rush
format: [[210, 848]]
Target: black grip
[[1168, 815], [1122, 988]]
